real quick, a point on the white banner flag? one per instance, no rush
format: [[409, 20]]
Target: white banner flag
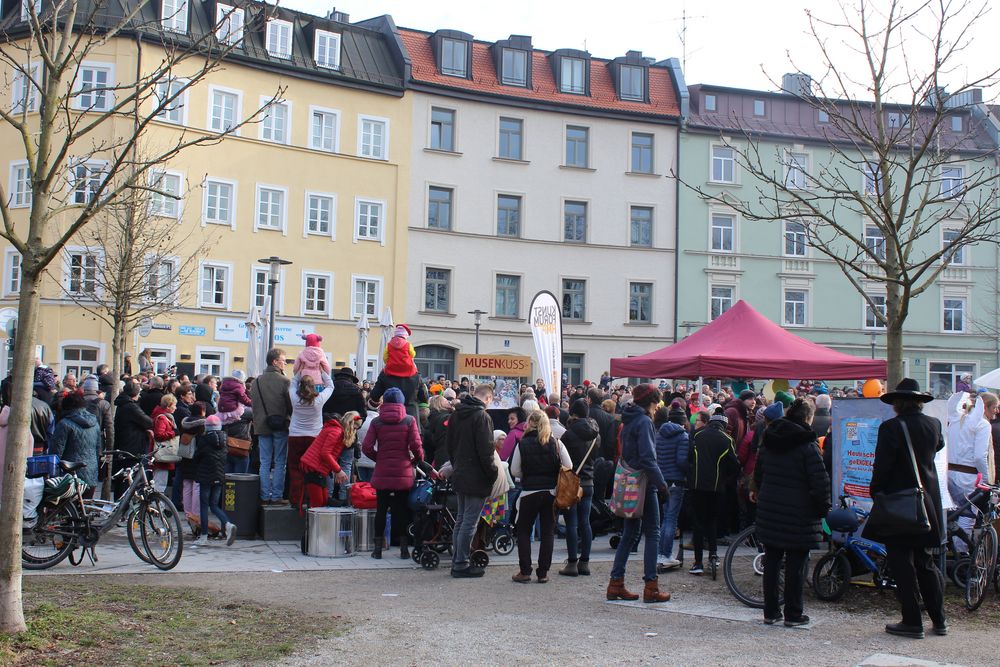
[[545, 320]]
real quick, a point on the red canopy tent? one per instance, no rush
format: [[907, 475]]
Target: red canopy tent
[[742, 343]]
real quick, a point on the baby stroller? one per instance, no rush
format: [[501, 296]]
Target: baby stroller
[[602, 519], [494, 531], [434, 526]]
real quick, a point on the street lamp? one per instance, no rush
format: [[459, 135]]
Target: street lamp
[[275, 264], [479, 322], [874, 340]]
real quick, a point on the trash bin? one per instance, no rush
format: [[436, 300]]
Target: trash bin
[[331, 531], [241, 501]]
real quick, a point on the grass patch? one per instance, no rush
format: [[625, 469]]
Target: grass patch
[[98, 621]]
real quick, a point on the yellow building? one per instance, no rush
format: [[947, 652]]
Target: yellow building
[[320, 180]]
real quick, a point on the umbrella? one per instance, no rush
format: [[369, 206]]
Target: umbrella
[[386, 325], [361, 363], [990, 380], [255, 342]]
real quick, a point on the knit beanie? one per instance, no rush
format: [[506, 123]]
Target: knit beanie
[[402, 331], [498, 434], [449, 393], [642, 393], [774, 411], [719, 418], [392, 395], [784, 398], [747, 394], [213, 423], [89, 385], [676, 414]]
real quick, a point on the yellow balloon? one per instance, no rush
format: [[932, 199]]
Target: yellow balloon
[[779, 385], [768, 390], [871, 388]]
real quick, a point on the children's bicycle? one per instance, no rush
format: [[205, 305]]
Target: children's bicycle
[[849, 553]]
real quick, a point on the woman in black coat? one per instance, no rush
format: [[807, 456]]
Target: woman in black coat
[[907, 556], [793, 495]]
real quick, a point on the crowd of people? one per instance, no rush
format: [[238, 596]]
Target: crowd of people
[[714, 459]]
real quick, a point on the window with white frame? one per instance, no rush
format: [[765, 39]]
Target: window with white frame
[[874, 242], [323, 130], [24, 88], [162, 358], [271, 208], [20, 185], [874, 185], [956, 123], [723, 164], [161, 274], [373, 138], [454, 59], [260, 287], [86, 178], [511, 138], [723, 232], [219, 203], [211, 362], [632, 83], [367, 297], [80, 360], [172, 97], [224, 111], [795, 239], [758, 108], [82, 272], [952, 181], [514, 67], [214, 286], [954, 250], [442, 129], [508, 215], [316, 293], [577, 146], [944, 377], [642, 153], [954, 314], [174, 15], [26, 7], [710, 103], [327, 49], [575, 221], [439, 206], [641, 226], [573, 72], [319, 213], [898, 120], [574, 299], [722, 298], [796, 170], [94, 87], [640, 303], [274, 123], [823, 116], [795, 304], [165, 197], [437, 287], [508, 295], [279, 38], [369, 220], [229, 24], [12, 273], [874, 307]]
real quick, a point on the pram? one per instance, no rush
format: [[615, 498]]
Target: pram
[[602, 519], [433, 528]]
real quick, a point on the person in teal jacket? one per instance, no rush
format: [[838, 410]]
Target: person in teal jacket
[[77, 437]]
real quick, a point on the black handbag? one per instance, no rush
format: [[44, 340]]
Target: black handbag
[[275, 423], [901, 513]]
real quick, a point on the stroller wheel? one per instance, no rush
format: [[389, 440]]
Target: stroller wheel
[[430, 560], [415, 553], [615, 541], [479, 558], [503, 543], [411, 530]]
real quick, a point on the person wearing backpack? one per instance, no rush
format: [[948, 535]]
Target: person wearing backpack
[[210, 454]]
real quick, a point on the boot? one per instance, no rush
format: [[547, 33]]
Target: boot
[[583, 568], [652, 593], [617, 591], [404, 553], [377, 551], [570, 569]]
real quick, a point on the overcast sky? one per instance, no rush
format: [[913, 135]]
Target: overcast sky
[[729, 42]]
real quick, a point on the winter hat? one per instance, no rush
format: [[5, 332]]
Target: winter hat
[[313, 340], [747, 394], [784, 398], [89, 385], [402, 331], [642, 393], [392, 395], [498, 434], [132, 389], [719, 418], [238, 375], [449, 393], [213, 423], [774, 411], [676, 414], [579, 408], [372, 404]]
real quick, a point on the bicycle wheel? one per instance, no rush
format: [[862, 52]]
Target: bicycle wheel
[[982, 558], [160, 526], [743, 570], [831, 576], [134, 535], [52, 538]]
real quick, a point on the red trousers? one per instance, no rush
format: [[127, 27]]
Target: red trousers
[[297, 446]]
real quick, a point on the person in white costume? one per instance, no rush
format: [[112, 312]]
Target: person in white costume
[[970, 450]]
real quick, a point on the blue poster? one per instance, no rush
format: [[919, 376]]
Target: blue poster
[[855, 434]]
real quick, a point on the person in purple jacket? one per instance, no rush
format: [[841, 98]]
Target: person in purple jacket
[[397, 437]]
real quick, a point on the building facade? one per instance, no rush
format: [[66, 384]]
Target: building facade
[[321, 179], [535, 170], [725, 257]]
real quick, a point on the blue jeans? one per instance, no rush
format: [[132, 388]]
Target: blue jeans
[[273, 450], [210, 496], [579, 534], [649, 526], [365, 474], [177, 490], [346, 462], [671, 510], [469, 509], [237, 464]]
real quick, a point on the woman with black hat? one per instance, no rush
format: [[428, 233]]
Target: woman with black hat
[[907, 555]]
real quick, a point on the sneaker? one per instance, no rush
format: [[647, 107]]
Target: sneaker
[[796, 622], [521, 578], [696, 569], [468, 573], [940, 629], [903, 630], [230, 534], [201, 541], [667, 565], [772, 621]]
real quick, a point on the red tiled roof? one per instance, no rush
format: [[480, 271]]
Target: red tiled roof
[[662, 98]]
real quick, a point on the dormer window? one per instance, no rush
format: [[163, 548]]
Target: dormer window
[[454, 57], [632, 83], [956, 123], [279, 38], [758, 107], [174, 15], [327, 51], [228, 24], [514, 67], [709, 102], [573, 76]]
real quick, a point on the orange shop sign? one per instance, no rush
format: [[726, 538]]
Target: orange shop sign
[[500, 365]]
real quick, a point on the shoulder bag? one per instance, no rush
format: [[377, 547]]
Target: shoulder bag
[[901, 513], [185, 448], [273, 422], [629, 495], [238, 447], [568, 490], [166, 451]]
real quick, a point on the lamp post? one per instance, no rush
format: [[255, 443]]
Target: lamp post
[[274, 272], [478, 322], [874, 340]]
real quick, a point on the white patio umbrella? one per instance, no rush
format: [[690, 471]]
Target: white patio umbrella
[[256, 328], [387, 327], [362, 354], [991, 380]]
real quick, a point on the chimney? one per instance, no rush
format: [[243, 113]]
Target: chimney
[[339, 17], [798, 84]]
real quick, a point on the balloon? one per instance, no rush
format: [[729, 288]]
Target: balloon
[[768, 390], [779, 385], [871, 388]]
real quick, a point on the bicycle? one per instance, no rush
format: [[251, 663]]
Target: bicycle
[[743, 570], [68, 522], [834, 571], [981, 565]]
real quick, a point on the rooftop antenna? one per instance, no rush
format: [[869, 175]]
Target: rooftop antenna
[[683, 18]]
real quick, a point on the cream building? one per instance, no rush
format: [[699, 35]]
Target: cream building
[[322, 181]]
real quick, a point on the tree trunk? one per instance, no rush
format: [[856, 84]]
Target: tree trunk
[[894, 352], [18, 448]]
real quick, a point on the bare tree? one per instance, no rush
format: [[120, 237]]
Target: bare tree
[[917, 172], [80, 138]]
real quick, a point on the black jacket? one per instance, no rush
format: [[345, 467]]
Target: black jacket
[[893, 471], [210, 456], [539, 464], [793, 487], [414, 390], [711, 459], [470, 448], [131, 424], [822, 421], [346, 397], [577, 439], [608, 428], [436, 437], [101, 409], [149, 400]]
